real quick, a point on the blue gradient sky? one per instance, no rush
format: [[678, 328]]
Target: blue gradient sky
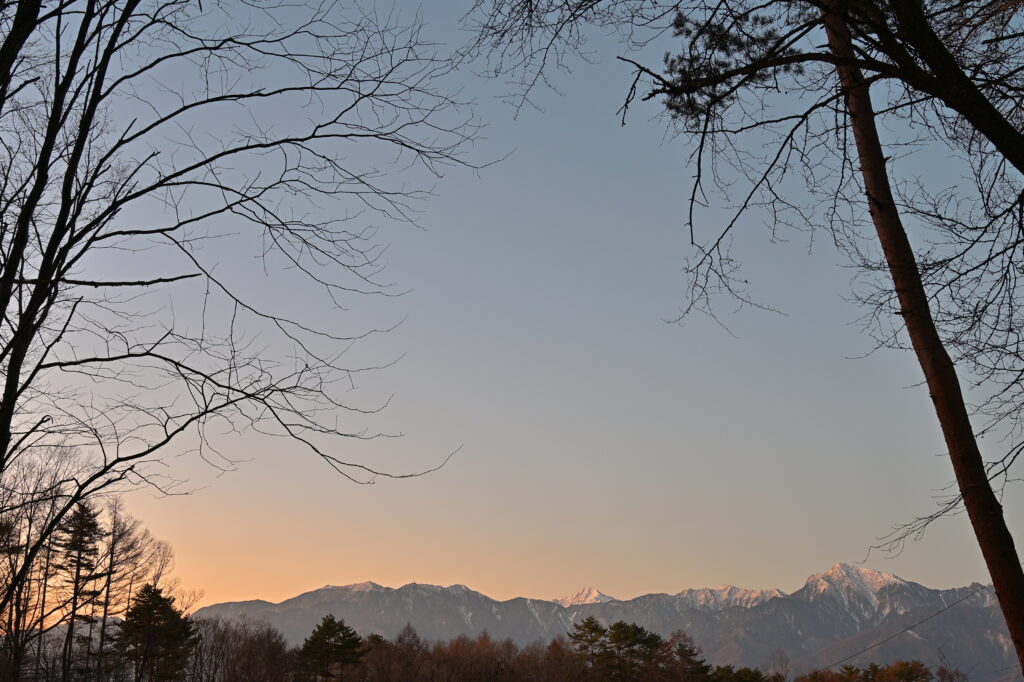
[[601, 445]]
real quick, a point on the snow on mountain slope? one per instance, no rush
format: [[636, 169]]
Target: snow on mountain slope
[[726, 596], [588, 595], [835, 613], [844, 581]]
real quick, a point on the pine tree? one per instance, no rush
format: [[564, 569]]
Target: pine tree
[[850, 673], [684, 660], [77, 545], [632, 649], [588, 639], [329, 648], [155, 637]]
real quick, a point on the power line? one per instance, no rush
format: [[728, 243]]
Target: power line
[[997, 671], [907, 629], [1012, 676]]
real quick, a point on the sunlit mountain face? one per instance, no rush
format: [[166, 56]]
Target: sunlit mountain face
[[835, 614]]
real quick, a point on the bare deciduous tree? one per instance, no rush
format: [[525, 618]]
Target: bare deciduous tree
[[147, 148]]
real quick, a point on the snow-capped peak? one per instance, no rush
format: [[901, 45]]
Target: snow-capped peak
[[588, 595], [847, 580], [367, 586], [716, 599]]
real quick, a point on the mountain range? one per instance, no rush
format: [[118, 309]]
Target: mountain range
[[836, 615]]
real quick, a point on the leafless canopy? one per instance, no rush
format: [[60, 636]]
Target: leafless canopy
[[754, 86], [150, 151]]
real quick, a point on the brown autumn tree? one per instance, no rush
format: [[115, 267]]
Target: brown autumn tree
[[801, 73]]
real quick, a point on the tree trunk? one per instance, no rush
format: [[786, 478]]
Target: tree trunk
[[958, 91], [42, 606], [107, 588], [69, 637], [983, 508]]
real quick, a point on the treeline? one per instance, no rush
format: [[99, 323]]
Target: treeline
[[87, 597], [592, 652], [156, 640], [900, 671], [71, 580]]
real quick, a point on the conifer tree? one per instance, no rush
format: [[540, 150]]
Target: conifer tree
[[632, 650], [588, 639], [329, 648], [684, 660], [78, 549], [155, 638]]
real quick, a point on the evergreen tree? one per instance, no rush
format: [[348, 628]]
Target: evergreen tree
[[727, 673], [632, 650], [588, 639], [684, 662], [155, 637], [329, 648], [77, 545], [850, 673]]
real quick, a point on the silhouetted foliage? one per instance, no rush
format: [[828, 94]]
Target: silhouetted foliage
[[226, 651], [898, 671], [329, 649], [60, 619], [157, 642], [683, 661], [161, 126], [620, 652], [589, 640], [77, 545], [155, 639], [782, 103]]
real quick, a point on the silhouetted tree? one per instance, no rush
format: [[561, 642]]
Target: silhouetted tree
[[682, 659], [588, 638], [560, 662], [632, 651], [907, 671], [329, 649], [155, 639], [728, 673], [238, 650], [409, 651], [897, 671], [945, 673], [77, 546], [125, 558], [28, 503], [800, 73], [103, 160]]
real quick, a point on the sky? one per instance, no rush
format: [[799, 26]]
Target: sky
[[598, 444]]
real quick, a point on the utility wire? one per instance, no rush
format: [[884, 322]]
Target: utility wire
[[907, 629], [998, 671], [1009, 677]]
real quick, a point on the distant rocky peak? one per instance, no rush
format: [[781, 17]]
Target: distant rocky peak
[[845, 582], [367, 586], [357, 587], [726, 596], [588, 595], [865, 579]]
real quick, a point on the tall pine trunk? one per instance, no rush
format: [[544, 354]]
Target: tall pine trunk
[[105, 614], [983, 508], [69, 639], [42, 605]]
